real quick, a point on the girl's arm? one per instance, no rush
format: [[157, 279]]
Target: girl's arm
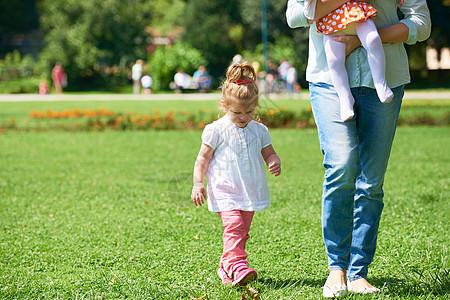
[[204, 157], [272, 160]]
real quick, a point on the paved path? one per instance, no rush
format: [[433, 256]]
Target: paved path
[[188, 97]]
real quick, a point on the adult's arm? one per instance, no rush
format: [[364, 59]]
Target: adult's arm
[[397, 33], [295, 14], [415, 27], [417, 19]]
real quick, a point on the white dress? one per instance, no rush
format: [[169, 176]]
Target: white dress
[[236, 175]]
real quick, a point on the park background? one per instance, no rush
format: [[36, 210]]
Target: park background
[[97, 42], [95, 183]]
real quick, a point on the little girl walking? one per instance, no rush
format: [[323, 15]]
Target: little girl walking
[[232, 156]]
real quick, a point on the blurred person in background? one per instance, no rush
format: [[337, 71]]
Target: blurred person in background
[[59, 78], [182, 81], [202, 78], [136, 73], [147, 82], [291, 80]]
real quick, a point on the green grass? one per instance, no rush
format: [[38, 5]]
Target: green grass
[[107, 215]]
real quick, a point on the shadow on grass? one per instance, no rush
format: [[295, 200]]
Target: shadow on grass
[[416, 284], [432, 284], [281, 284]]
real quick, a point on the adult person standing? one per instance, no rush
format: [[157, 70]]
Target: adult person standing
[[282, 71], [58, 77], [136, 73], [356, 152], [291, 80]]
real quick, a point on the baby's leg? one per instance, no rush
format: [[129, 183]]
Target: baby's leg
[[335, 52], [368, 34]]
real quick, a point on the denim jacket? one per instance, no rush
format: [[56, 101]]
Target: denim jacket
[[416, 18]]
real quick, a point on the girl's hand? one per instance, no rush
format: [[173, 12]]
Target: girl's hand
[[272, 160], [275, 167], [351, 42], [198, 194]]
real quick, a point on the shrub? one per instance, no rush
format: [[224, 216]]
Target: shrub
[[166, 60], [18, 74], [15, 86]]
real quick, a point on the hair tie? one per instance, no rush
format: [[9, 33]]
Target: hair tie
[[242, 81]]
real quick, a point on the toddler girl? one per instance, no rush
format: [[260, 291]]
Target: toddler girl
[[232, 156], [353, 17]]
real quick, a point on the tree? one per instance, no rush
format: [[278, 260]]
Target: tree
[[276, 18], [207, 28], [18, 16], [167, 14], [284, 42], [440, 35], [89, 37]]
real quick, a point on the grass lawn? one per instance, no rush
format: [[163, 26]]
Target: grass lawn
[[107, 215]]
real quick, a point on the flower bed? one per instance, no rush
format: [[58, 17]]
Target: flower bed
[[104, 119]]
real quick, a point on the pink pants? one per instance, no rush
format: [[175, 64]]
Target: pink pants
[[236, 225]]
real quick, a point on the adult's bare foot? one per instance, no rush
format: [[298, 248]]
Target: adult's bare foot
[[362, 286], [335, 286], [336, 277]]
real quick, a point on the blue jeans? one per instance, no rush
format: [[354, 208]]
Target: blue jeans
[[356, 154]]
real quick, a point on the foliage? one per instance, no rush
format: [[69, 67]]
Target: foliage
[[238, 28], [18, 74], [96, 41], [107, 215], [17, 86], [276, 21], [166, 15], [166, 60], [440, 35], [209, 28], [284, 42], [14, 66], [18, 16]]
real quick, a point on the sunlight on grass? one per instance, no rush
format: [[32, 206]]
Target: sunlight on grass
[[107, 215]]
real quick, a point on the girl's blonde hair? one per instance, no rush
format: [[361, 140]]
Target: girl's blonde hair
[[240, 86]]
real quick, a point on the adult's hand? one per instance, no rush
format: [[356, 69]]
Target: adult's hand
[[351, 42]]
